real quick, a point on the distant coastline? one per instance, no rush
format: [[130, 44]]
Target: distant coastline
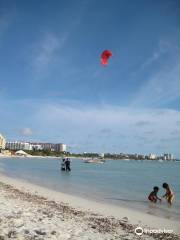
[[83, 158]]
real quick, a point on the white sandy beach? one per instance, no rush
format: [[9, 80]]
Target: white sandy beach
[[32, 212]]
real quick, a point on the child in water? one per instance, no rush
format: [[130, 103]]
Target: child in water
[[153, 195], [169, 195]]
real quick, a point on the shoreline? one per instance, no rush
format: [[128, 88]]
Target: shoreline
[[83, 158], [129, 217]]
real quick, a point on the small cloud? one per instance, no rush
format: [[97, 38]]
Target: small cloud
[[142, 123], [55, 93], [162, 147], [141, 138], [120, 135], [4, 22], [90, 136], [106, 130], [26, 132], [175, 133], [178, 123], [7, 16], [165, 140], [152, 59], [46, 50], [175, 139], [148, 132], [2, 91], [163, 48], [45, 54], [163, 87]]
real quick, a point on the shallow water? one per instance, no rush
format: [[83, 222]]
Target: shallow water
[[124, 183]]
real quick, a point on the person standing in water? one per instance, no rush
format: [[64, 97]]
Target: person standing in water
[[63, 166], [68, 163], [169, 195]]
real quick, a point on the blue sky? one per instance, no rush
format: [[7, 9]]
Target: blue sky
[[53, 88]]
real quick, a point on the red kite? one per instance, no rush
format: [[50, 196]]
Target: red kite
[[105, 56]]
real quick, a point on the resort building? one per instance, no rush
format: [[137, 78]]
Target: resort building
[[2, 142], [101, 155], [60, 147], [168, 156], [18, 145], [42, 146], [152, 156], [36, 147], [47, 146]]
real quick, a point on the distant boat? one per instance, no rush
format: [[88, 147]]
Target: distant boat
[[95, 160]]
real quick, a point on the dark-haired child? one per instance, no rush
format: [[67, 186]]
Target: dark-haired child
[[153, 195]]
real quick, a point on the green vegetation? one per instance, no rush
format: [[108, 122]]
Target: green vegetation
[[47, 153], [60, 154], [84, 155]]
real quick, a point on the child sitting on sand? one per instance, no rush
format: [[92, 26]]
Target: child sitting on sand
[[153, 195], [169, 195]]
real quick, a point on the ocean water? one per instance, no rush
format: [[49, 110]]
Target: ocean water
[[123, 183]]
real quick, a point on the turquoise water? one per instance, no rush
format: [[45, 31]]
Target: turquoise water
[[124, 183]]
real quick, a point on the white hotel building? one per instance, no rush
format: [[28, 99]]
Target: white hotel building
[[60, 147], [18, 146], [2, 142]]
